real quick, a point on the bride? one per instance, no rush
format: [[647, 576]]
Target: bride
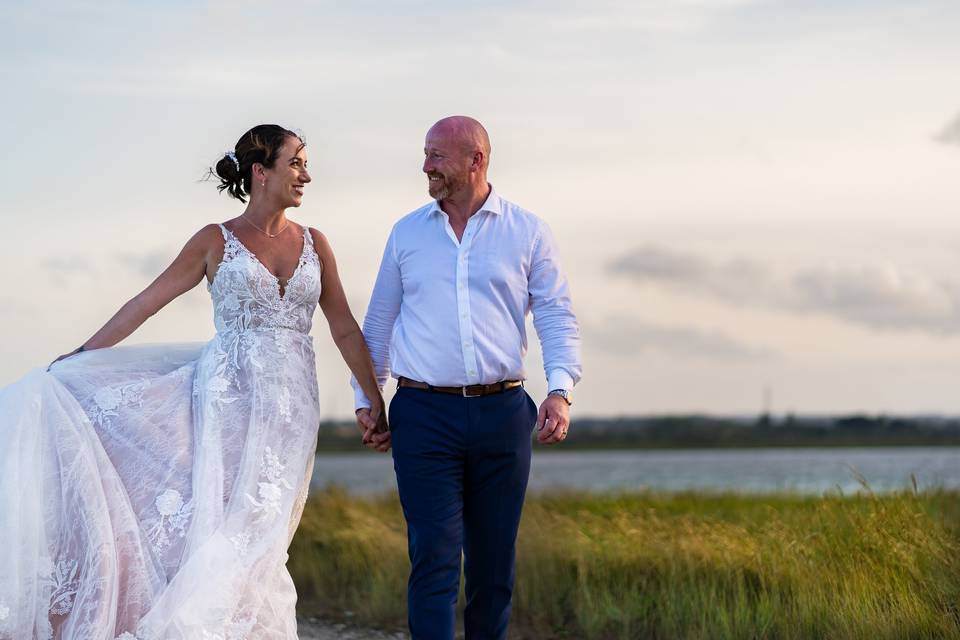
[[151, 492]]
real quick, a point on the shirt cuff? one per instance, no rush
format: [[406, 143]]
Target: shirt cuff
[[559, 379], [360, 400]]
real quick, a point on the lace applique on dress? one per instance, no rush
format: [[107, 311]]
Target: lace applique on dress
[[271, 490], [241, 542], [283, 404], [219, 384], [231, 245], [247, 296], [63, 577], [109, 399], [237, 628], [173, 516]]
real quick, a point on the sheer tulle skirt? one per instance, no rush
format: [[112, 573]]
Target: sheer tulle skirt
[[151, 492]]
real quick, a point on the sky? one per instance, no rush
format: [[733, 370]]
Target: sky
[[755, 200]]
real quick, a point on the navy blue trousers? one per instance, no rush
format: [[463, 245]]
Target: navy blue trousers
[[462, 466]]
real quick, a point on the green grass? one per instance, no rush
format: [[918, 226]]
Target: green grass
[[672, 566]]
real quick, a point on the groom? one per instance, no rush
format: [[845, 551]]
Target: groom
[[447, 319]]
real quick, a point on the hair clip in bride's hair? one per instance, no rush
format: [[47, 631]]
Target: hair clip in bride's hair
[[233, 156]]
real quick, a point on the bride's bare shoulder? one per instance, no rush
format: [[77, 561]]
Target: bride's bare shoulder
[[209, 234], [317, 236], [320, 242], [207, 241]]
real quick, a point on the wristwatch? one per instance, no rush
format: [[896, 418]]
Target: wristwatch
[[563, 393]]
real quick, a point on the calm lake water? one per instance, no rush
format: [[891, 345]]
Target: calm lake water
[[811, 471]]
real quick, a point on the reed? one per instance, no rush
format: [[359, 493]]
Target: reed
[[672, 566]]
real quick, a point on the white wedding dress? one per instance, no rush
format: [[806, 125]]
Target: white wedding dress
[[151, 492]]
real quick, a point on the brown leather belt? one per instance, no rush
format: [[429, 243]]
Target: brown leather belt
[[470, 391]]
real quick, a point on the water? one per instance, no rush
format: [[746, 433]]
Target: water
[[809, 471]]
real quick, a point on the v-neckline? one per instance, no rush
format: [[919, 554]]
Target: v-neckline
[[281, 288]]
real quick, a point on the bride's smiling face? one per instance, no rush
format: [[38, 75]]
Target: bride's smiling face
[[284, 182]]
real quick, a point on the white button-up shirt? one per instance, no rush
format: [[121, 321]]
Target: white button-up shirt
[[452, 313]]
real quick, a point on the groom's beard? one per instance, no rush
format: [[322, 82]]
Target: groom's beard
[[442, 189]]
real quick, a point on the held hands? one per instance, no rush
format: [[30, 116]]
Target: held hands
[[553, 420], [373, 425]]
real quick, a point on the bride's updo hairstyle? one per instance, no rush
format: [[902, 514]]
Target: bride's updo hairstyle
[[261, 144]]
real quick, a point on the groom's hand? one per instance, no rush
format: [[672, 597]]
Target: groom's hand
[[553, 420], [376, 433]]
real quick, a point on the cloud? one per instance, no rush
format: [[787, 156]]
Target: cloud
[[875, 296], [951, 132], [148, 264], [735, 280], [68, 265], [882, 297], [627, 337], [64, 269]]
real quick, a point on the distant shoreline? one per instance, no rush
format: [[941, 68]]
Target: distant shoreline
[[710, 432]]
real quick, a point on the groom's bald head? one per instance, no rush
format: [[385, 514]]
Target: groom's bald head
[[466, 132]]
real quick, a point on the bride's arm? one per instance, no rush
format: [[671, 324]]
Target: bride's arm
[[344, 328], [182, 275]]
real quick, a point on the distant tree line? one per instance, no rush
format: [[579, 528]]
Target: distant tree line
[[705, 431]]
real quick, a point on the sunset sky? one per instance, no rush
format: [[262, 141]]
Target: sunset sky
[[747, 195]]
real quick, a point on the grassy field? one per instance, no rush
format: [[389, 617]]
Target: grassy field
[[672, 566]]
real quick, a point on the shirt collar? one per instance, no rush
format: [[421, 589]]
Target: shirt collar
[[492, 204]]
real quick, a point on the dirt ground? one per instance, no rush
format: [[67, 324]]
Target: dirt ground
[[314, 629]]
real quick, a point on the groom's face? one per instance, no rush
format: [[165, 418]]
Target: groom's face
[[445, 162]]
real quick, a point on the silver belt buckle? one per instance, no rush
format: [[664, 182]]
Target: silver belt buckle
[[467, 395]]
